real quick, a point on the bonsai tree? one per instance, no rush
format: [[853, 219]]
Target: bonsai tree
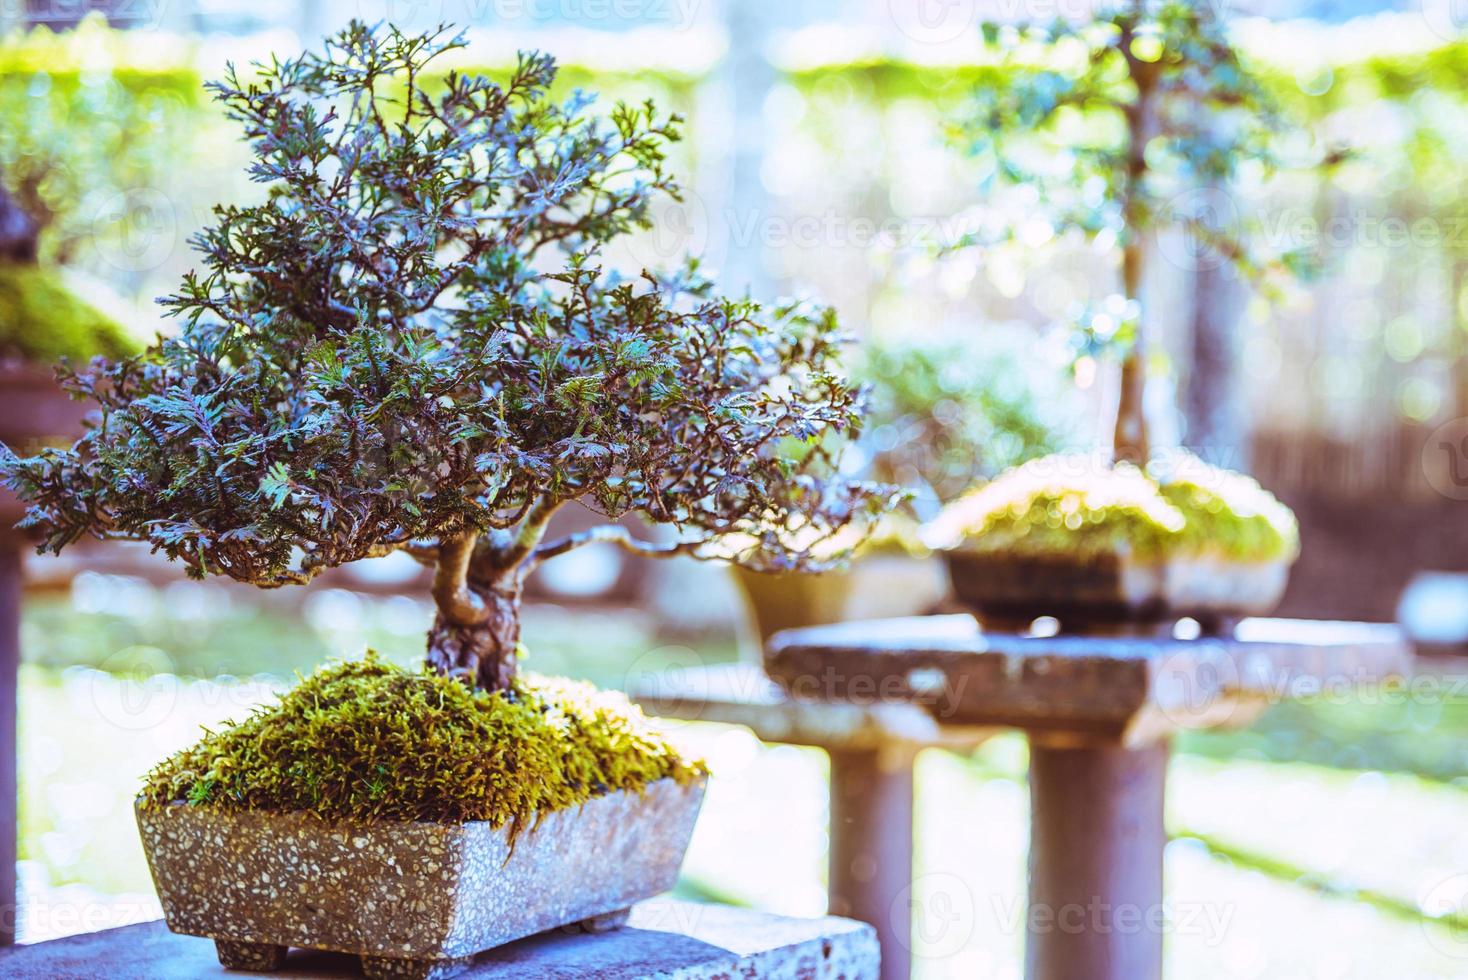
[[1111, 120], [1126, 125], [411, 345]]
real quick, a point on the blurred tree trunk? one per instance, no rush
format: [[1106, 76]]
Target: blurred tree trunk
[[1458, 347], [1214, 410], [19, 232]]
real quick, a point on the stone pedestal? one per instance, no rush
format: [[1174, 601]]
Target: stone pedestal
[[663, 938], [1099, 712]]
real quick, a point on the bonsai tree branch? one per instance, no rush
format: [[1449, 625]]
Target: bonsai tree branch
[[457, 603], [618, 535], [1130, 442], [1180, 111]]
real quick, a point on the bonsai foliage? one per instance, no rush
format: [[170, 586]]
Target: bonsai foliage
[[1061, 505], [1122, 124], [411, 345], [367, 740]]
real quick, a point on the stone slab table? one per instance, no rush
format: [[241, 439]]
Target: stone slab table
[[663, 938], [872, 750], [1098, 712]]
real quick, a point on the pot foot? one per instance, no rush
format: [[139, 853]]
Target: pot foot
[[397, 968], [605, 922], [235, 955]]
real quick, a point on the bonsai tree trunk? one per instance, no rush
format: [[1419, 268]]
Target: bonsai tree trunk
[[476, 632], [1130, 442]]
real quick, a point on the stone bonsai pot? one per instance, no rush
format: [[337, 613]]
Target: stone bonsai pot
[[409, 346], [1096, 545], [263, 836]]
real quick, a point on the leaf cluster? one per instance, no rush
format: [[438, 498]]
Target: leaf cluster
[[1119, 121], [413, 339]]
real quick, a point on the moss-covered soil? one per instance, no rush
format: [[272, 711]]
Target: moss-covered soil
[[1069, 505], [368, 740], [42, 320]]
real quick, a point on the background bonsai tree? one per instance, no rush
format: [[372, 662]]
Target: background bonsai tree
[[410, 345], [943, 415], [1123, 123]]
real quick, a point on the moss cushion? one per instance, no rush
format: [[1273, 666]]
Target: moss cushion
[[43, 320], [369, 740], [1073, 505]]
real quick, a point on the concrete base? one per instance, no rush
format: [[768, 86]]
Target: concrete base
[[662, 938]]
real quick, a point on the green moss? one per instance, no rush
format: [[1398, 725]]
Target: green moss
[[369, 740], [1229, 513], [1072, 505], [41, 320]]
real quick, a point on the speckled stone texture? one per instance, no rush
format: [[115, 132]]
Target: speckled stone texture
[[410, 891], [664, 939]]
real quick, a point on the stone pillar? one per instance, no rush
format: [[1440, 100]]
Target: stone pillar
[[871, 846], [1096, 841]]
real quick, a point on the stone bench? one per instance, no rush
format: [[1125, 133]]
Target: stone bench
[[872, 748], [663, 938]]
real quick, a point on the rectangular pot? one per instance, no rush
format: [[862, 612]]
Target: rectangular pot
[[1113, 588], [413, 899]]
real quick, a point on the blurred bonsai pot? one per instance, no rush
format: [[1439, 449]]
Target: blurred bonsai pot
[[41, 320], [941, 414], [1095, 544], [890, 573]]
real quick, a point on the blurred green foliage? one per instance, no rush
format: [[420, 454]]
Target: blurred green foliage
[[42, 320], [943, 415], [94, 118]]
